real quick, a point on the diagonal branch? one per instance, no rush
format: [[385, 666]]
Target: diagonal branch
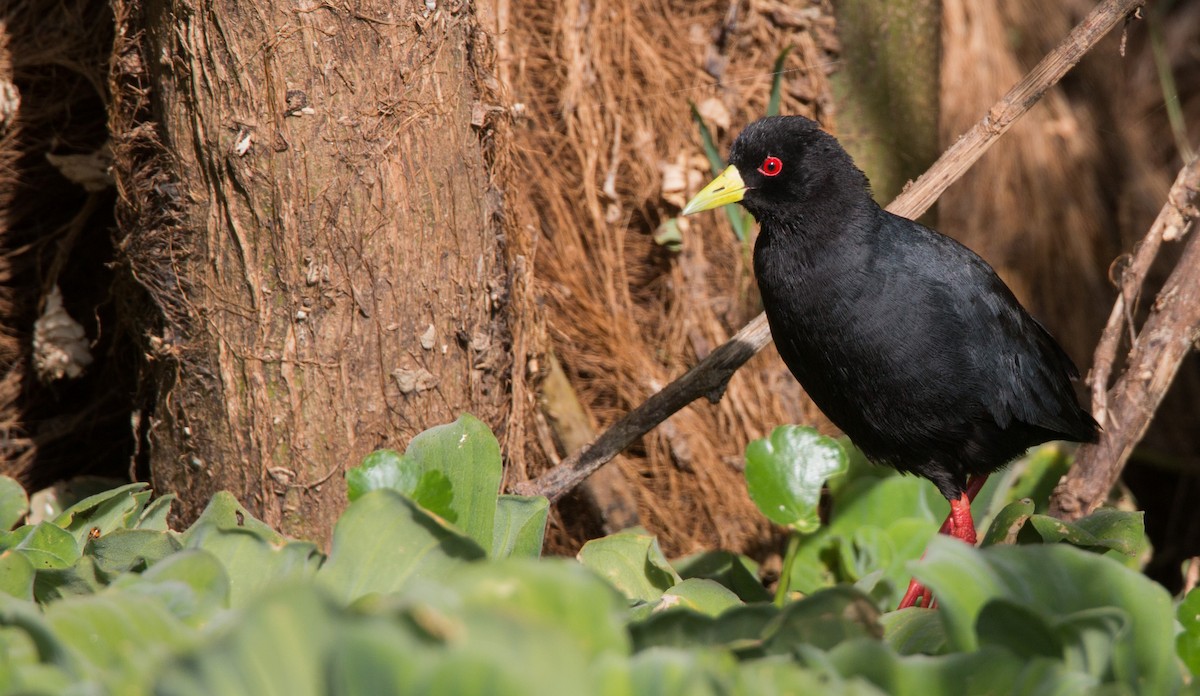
[[1167, 335], [709, 376]]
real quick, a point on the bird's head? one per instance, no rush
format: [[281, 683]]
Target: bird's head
[[778, 167]]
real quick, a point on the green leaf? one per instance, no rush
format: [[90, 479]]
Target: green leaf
[[383, 541], [699, 595], [914, 631], [777, 82], [1010, 520], [736, 572], [1106, 528], [668, 235], [633, 562], [14, 503], [191, 584], [460, 475], [989, 670], [384, 468], [103, 512], [1059, 583], [16, 575], [520, 526], [49, 546], [550, 596], [155, 516], [128, 549], [253, 564], [785, 473], [225, 512], [740, 628], [1187, 643], [275, 649], [823, 620], [122, 639]]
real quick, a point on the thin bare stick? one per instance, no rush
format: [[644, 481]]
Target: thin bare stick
[[1169, 222], [710, 375], [1166, 337]]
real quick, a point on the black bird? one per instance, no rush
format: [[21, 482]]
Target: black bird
[[906, 340]]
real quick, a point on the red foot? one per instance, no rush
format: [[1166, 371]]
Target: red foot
[[959, 525]]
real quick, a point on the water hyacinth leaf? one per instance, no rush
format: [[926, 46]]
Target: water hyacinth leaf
[[14, 503], [154, 517], [786, 470], [633, 562], [384, 540], [192, 584], [520, 526]]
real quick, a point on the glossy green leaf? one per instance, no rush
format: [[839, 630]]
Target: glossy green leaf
[[384, 540], [673, 672], [1008, 522], [16, 575], [633, 562], [520, 526], [466, 457], [14, 503], [786, 471], [1059, 583]]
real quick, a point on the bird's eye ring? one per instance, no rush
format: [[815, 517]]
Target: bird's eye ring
[[771, 166]]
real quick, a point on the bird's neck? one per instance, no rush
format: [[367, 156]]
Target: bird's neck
[[826, 234]]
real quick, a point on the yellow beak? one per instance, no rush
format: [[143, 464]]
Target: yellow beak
[[723, 190]]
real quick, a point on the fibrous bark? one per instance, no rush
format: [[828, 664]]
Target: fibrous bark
[[311, 213]]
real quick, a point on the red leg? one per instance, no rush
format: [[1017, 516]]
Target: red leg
[[959, 525]]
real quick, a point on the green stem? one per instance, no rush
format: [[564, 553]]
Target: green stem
[[785, 574]]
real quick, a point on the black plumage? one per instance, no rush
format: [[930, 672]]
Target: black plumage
[[906, 340]]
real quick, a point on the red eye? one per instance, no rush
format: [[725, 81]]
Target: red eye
[[771, 166]]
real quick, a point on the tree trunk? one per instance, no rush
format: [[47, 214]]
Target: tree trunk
[[311, 215], [886, 91]]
